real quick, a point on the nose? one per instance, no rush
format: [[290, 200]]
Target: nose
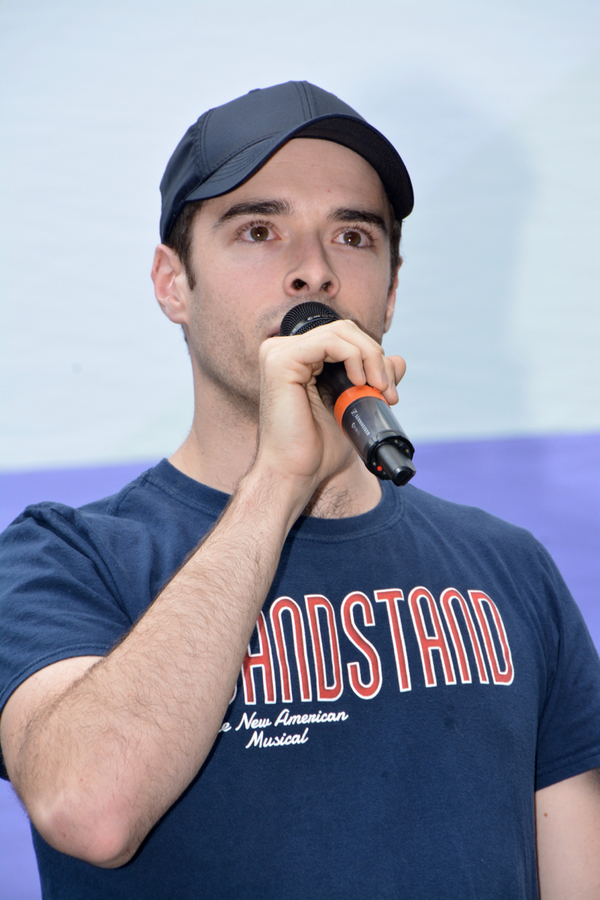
[[310, 273]]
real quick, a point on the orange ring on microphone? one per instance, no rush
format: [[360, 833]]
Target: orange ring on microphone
[[354, 393]]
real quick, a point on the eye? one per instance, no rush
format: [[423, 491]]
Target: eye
[[354, 238], [258, 233]]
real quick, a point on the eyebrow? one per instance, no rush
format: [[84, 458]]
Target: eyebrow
[[359, 215], [254, 208], [283, 208]]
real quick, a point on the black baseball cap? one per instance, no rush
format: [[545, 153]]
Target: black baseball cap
[[229, 143]]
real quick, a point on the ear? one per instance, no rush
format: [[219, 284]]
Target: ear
[[170, 284], [391, 301]]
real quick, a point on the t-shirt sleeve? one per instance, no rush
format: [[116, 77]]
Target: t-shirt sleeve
[[569, 725], [59, 597]]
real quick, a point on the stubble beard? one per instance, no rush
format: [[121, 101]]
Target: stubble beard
[[233, 375]]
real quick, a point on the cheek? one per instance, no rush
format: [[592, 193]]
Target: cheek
[[249, 284], [364, 267], [369, 285], [256, 273], [216, 297]]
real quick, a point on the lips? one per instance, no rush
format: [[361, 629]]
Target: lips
[[274, 330]]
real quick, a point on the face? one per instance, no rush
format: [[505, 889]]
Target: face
[[312, 224]]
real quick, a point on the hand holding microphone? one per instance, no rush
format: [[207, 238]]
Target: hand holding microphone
[[362, 413]]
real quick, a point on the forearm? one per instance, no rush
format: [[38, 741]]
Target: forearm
[[568, 838], [103, 763]]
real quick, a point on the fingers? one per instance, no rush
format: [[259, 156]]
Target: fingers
[[395, 367], [296, 428], [341, 341]]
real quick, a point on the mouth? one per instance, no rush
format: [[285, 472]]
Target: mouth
[[274, 330]]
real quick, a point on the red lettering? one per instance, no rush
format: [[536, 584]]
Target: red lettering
[[429, 643], [314, 602], [281, 605], [390, 598], [448, 596], [263, 659], [372, 687], [478, 599]]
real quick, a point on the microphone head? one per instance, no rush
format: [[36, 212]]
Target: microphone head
[[305, 317]]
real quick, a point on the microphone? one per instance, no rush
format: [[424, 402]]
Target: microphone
[[361, 411]]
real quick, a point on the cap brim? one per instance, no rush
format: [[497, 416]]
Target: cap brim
[[356, 134]]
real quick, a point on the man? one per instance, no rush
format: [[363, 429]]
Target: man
[[420, 693]]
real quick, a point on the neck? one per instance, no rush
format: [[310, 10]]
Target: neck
[[220, 449], [350, 492]]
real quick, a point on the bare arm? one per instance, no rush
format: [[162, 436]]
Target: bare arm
[[568, 838], [99, 763], [100, 750]]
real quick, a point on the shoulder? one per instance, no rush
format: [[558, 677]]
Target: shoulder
[[124, 546], [462, 523], [53, 530], [478, 542], [55, 516], [153, 507]]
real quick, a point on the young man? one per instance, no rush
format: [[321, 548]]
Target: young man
[[420, 693]]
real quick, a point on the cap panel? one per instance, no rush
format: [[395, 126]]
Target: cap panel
[[325, 104], [305, 94], [179, 176], [250, 118], [200, 150], [244, 163]]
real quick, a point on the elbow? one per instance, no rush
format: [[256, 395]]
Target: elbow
[[100, 835]]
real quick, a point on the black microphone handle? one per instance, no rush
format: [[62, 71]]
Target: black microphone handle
[[361, 411]]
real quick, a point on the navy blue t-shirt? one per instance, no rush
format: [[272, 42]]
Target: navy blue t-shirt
[[416, 673]]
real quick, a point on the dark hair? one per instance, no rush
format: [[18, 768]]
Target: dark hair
[[395, 235], [180, 239]]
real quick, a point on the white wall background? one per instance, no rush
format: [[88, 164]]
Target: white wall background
[[494, 108]]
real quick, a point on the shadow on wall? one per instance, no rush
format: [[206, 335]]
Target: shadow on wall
[[454, 319]]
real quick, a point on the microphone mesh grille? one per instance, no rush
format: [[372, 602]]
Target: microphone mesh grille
[[305, 317]]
